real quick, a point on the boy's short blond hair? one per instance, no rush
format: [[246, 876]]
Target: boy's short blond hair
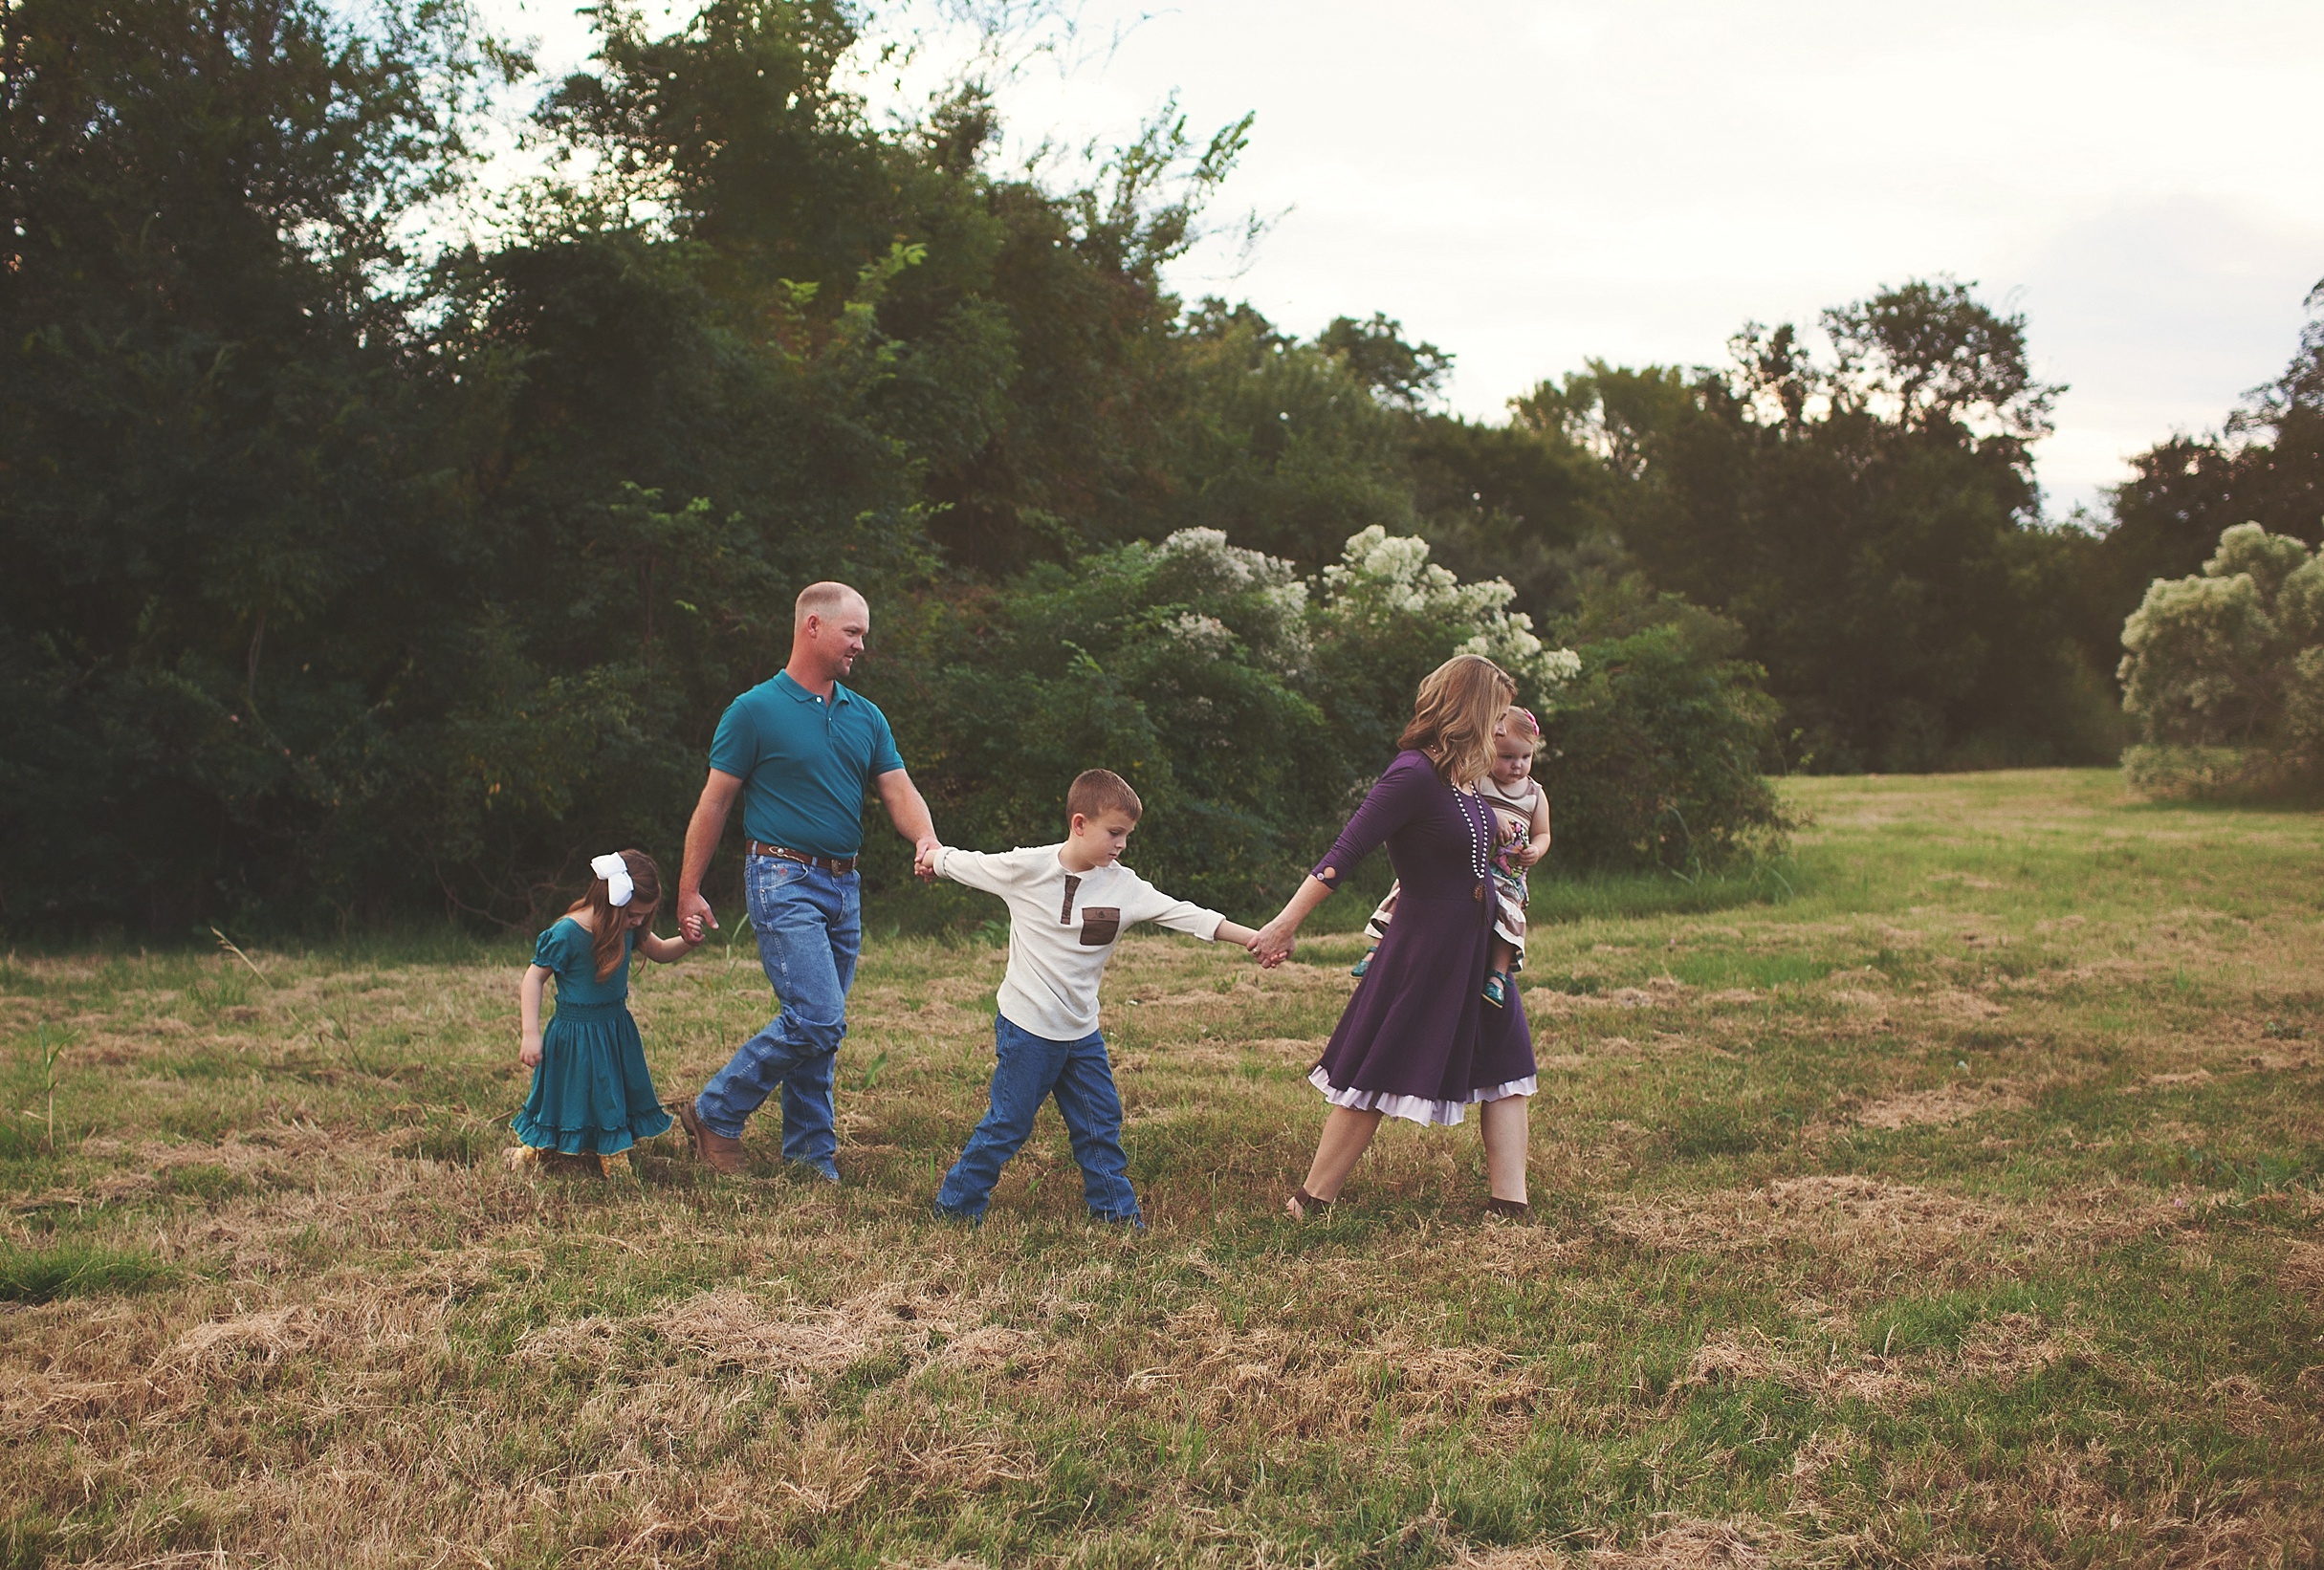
[[1096, 791]]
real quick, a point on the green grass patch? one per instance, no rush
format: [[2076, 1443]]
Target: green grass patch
[[75, 1267]]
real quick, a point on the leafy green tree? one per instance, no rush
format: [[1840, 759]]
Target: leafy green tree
[[212, 446], [1404, 376], [1869, 517], [2264, 466], [1284, 447]]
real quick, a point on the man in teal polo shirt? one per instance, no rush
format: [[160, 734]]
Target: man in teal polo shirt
[[802, 752]]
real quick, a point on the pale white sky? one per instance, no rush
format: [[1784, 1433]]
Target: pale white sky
[[1529, 183]]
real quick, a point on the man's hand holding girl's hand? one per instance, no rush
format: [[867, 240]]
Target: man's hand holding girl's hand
[[694, 917], [924, 858]]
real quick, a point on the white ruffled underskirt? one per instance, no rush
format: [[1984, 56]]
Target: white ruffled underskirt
[[1417, 1109]]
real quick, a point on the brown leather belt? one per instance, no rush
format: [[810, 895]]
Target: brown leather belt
[[822, 863]]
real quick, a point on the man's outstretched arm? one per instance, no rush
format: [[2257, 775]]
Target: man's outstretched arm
[[702, 833], [909, 813]]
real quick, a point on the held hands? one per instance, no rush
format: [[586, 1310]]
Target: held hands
[[1273, 942], [529, 1053], [695, 916], [924, 858]]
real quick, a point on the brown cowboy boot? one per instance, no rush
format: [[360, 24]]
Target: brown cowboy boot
[[723, 1155]]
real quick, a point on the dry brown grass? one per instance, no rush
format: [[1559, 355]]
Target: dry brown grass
[[1947, 1103]]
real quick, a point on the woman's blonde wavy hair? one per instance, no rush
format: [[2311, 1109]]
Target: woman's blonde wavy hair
[[1452, 717]]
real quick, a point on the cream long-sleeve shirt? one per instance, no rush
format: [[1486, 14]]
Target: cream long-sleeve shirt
[[1063, 926]]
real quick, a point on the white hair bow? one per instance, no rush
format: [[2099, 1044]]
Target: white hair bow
[[619, 886]]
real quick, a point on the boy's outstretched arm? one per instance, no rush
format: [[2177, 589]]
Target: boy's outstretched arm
[[989, 874]]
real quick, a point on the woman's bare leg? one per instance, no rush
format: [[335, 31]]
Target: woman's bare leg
[[1346, 1132], [1504, 1127]]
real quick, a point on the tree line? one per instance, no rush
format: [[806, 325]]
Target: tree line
[[353, 571]]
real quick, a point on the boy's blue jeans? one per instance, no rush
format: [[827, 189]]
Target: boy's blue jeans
[[1027, 1070], [810, 928]]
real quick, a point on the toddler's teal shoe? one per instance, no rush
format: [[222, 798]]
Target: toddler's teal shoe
[[1363, 965], [1497, 988]]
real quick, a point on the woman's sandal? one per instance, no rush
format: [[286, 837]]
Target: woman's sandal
[[1516, 1209], [1497, 988], [1304, 1204]]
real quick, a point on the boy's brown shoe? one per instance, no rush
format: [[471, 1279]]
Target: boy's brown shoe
[[724, 1155]]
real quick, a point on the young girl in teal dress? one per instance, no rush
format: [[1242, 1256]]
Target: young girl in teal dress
[[592, 1094]]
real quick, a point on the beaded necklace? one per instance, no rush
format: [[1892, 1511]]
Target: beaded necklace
[[1480, 850]]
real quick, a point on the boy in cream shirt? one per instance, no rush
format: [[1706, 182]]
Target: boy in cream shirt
[[1067, 905]]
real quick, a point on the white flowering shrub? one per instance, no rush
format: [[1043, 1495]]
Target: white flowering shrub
[[2225, 671], [1247, 702], [1386, 588], [1198, 566]]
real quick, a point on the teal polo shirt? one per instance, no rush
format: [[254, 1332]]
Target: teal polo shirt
[[805, 765]]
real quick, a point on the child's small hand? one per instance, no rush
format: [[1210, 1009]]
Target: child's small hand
[[529, 1055], [695, 916], [1533, 852]]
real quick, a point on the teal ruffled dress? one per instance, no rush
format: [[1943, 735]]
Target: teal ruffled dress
[[592, 1094]]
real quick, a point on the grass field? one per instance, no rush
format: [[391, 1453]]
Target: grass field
[[1958, 1204]]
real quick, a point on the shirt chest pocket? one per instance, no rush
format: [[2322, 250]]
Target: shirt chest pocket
[[1101, 924]]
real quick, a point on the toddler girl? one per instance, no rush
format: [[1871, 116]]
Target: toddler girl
[[592, 1094], [1521, 811]]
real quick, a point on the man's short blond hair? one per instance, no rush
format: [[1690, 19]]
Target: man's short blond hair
[[822, 600], [1096, 791]]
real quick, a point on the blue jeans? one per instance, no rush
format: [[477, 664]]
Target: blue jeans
[[810, 928], [1027, 1070]]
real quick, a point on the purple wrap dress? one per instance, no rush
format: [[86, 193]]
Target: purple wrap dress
[[1419, 1040]]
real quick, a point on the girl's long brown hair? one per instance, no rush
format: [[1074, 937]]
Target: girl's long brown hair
[[1454, 714], [608, 923]]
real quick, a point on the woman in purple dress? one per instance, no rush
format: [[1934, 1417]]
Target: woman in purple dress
[[1419, 1040]]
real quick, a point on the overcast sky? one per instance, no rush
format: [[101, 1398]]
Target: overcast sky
[[1531, 183]]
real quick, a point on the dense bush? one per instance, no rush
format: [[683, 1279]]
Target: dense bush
[[2224, 672], [1245, 703], [1656, 750]]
